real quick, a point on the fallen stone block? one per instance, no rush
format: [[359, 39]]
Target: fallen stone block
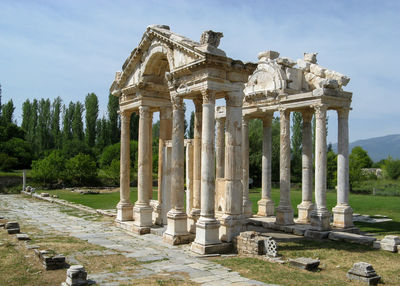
[[315, 234], [12, 224], [32, 246], [2, 224], [390, 243], [45, 195], [13, 230], [53, 262], [76, 276], [23, 236], [363, 272], [305, 263], [351, 237], [376, 245]]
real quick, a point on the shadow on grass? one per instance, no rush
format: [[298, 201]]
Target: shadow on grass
[[382, 228], [306, 244]]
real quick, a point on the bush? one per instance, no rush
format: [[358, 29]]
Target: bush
[[80, 170], [49, 170], [392, 168]]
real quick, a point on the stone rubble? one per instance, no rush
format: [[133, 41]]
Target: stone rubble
[[23, 236], [363, 272], [305, 263], [12, 227], [76, 276], [390, 243], [50, 260]]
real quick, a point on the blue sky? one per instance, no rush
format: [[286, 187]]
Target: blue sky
[[71, 48]]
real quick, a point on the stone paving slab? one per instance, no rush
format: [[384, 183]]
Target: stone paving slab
[[167, 258]]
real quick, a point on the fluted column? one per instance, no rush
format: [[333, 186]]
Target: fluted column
[[165, 134], [320, 217], [124, 207], [284, 212], [266, 204], [150, 154], [306, 206], [232, 219], [195, 211], [247, 204], [207, 226], [142, 210], [220, 149], [176, 232], [343, 213]]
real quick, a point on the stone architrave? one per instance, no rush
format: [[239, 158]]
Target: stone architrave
[[142, 211], [266, 205], [306, 206], [176, 232], [232, 219], [195, 211], [284, 212], [207, 235], [320, 216], [124, 207], [247, 204], [342, 212]]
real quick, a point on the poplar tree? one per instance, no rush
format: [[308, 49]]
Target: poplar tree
[[92, 111], [296, 164], [114, 120], [68, 116], [77, 124], [44, 124], [26, 114], [7, 112], [55, 122]]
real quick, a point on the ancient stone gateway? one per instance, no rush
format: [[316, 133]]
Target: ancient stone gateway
[[167, 68]]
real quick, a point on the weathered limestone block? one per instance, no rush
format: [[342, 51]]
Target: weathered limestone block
[[340, 78], [305, 263], [271, 55], [294, 78], [303, 65], [351, 237], [390, 243], [250, 242], [315, 234], [13, 230], [310, 57], [76, 276], [23, 236], [286, 62], [45, 195], [363, 272], [50, 260], [12, 224], [317, 70]]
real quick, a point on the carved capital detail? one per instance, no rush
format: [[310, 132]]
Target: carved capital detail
[[320, 111], [125, 116], [208, 96], [177, 102], [343, 112], [144, 111], [307, 115]]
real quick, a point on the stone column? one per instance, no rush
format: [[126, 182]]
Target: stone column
[[247, 204], [24, 180], [220, 149], [266, 205], [124, 207], [207, 226], [165, 134], [342, 212], [232, 219], [176, 232], [320, 216], [142, 210], [150, 154], [306, 206], [195, 212], [284, 212]]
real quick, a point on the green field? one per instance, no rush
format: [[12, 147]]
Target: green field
[[362, 204]]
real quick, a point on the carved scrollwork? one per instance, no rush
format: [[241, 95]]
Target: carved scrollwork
[[208, 96], [307, 115], [144, 111], [320, 111], [125, 116]]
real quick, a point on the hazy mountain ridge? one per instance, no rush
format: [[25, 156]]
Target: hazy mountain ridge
[[378, 148]]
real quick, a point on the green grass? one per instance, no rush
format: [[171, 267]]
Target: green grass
[[96, 201]]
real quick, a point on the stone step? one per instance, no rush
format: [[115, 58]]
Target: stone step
[[351, 237]]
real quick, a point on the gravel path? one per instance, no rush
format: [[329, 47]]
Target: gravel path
[[167, 258]]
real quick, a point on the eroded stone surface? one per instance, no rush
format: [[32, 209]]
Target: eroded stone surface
[[305, 263], [363, 272]]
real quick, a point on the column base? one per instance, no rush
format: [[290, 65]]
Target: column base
[[124, 212], [231, 226], [304, 210], [343, 216], [320, 220], [220, 248], [192, 219], [207, 231], [176, 232], [247, 208], [284, 215], [142, 215], [266, 207]]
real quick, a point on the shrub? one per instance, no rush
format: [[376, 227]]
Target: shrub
[[392, 168], [81, 169], [49, 170]]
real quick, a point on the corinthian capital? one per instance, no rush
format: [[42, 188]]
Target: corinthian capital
[[343, 112], [320, 111], [144, 111], [208, 96]]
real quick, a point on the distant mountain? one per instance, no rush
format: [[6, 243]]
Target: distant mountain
[[378, 148]]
